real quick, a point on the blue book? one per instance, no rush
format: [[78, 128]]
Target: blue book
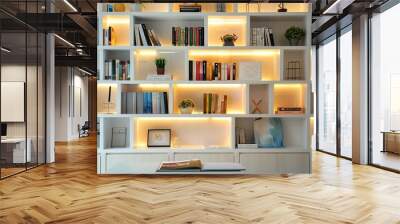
[[148, 103]]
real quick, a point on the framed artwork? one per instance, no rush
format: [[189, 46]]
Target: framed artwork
[[159, 138]]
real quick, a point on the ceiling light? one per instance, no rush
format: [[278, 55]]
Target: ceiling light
[[84, 71], [70, 5], [64, 40], [337, 7], [5, 50]]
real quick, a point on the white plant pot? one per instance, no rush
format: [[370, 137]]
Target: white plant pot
[[187, 110]]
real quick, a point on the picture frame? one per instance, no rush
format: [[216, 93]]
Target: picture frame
[[159, 138]]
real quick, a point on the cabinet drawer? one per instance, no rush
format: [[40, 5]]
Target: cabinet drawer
[[134, 162]]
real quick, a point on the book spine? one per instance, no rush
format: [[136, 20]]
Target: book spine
[[204, 103], [123, 102], [154, 103], [146, 34], [186, 36], [139, 102], [204, 70], [166, 102], [142, 35], [198, 70], [209, 102], [234, 72], [190, 70], [173, 36]]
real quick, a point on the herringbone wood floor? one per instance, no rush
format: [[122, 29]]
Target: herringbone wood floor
[[70, 191]]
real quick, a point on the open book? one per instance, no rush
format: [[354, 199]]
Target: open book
[[181, 165]]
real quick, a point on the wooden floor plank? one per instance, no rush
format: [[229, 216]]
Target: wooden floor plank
[[70, 191]]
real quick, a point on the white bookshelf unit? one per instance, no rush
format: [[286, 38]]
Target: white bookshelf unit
[[209, 137]]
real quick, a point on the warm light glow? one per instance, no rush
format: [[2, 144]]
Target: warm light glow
[[233, 52], [116, 20], [147, 52], [209, 85], [225, 119], [226, 21], [292, 86]]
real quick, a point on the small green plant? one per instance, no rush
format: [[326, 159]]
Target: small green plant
[[186, 103], [229, 37], [160, 63], [294, 34]]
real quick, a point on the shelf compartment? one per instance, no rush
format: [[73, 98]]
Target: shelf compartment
[[269, 59], [294, 136], [175, 63], [121, 55], [127, 106], [279, 25], [294, 65], [121, 27], [260, 98], [187, 132], [218, 26], [107, 98], [236, 96], [290, 95], [117, 132], [162, 24], [271, 7]]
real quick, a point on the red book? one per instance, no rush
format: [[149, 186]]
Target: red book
[[197, 36], [228, 71], [198, 70]]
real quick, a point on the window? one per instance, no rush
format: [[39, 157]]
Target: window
[[346, 93], [385, 89], [326, 120]]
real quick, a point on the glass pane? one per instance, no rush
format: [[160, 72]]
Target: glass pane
[[346, 94], [327, 97], [41, 99], [31, 98], [13, 87], [385, 84]]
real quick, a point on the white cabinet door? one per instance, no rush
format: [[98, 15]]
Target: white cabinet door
[[294, 162], [134, 163], [206, 156], [263, 163]]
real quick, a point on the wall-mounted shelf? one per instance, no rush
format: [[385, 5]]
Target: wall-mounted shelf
[[211, 137]]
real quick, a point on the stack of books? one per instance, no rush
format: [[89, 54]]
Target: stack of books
[[145, 36], [289, 110], [116, 70], [262, 36], [188, 36], [144, 103], [214, 104], [109, 36], [198, 70], [184, 165]]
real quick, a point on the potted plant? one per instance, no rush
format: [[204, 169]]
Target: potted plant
[[160, 64], [294, 35], [229, 39], [186, 106]]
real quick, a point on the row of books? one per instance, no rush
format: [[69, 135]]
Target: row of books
[[199, 70], [144, 103], [188, 36], [109, 36], [116, 70], [145, 36], [262, 36], [214, 104]]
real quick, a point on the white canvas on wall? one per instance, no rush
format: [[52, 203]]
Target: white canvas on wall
[[250, 71], [12, 101]]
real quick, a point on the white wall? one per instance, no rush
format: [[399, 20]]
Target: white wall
[[71, 93]]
